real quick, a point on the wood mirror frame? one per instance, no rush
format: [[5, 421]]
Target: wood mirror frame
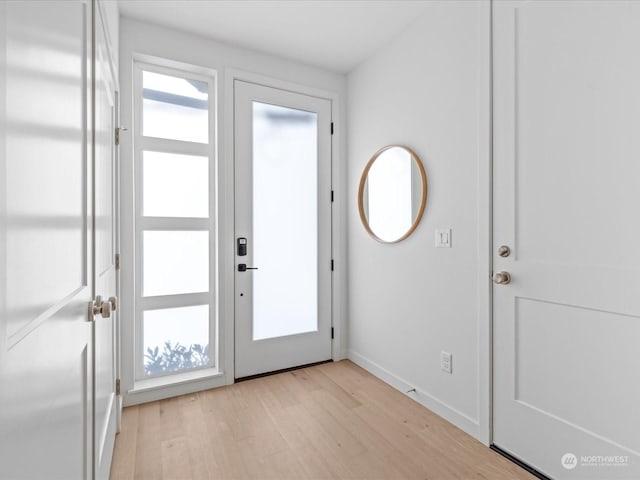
[[363, 183]]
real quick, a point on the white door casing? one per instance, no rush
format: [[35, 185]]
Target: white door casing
[[566, 176], [105, 221], [45, 240], [279, 352]]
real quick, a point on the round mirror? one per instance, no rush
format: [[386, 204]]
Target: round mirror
[[392, 194]]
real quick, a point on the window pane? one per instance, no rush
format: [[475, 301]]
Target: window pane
[[285, 206], [175, 262], [175, 108], [175, 185], [175, 339]]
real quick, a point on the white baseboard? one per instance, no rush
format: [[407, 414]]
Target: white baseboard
[[457, 418]]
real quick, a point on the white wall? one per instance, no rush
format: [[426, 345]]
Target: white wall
[[429, 90], [149, 40]]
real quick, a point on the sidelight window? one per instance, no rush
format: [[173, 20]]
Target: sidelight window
[[174, 222]]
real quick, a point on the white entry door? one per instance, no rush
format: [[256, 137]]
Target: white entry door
[[283, 229], [46, 236], [105, 273], [566, 203]]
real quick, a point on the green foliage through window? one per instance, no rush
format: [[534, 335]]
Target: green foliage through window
[[175, 357]]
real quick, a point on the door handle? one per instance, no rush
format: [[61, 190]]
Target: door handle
[[502, 278], [100, 307], [242, 267]]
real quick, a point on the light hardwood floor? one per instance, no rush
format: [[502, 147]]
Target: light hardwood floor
[[333, 421]]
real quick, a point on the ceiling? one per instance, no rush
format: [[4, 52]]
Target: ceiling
[[333, 34]]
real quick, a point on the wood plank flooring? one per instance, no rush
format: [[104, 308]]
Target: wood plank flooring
[[330, 421]]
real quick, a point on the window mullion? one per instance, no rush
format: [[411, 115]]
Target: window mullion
[[166, 145], [172, 223], [173, 301]]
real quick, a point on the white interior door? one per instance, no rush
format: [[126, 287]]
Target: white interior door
[[566, 197], [283, 220], [105, 250], [45, 241]]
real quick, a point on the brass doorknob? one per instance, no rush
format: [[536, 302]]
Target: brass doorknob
[[502, 278]]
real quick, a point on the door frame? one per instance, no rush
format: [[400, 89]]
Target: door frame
[[227, 212], [118, 332], [484, 202]]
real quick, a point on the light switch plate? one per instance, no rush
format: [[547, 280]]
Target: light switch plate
[[443, 238]]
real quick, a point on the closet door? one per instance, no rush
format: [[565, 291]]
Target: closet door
[[566, 197], [46, 416]]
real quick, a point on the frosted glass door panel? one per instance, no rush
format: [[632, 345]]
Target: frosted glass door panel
[[285, 221], [175, 185], [175, 262], [175, 108], [175, 339]]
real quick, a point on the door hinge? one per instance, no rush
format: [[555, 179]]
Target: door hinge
[[117, 261], [332, 332], [117, 386], [117, 134], [331, 128], [332, 264], [331, 196]]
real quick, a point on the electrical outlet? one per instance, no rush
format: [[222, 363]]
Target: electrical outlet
[[445, 362]]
